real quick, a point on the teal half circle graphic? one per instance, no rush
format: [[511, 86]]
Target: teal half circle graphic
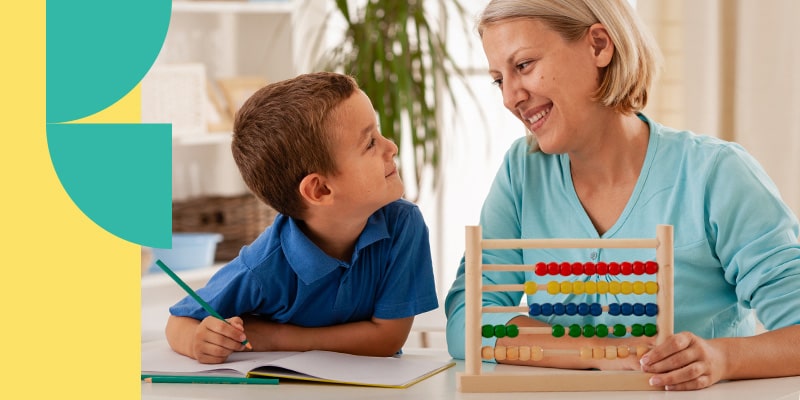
[[98, 50], [115, 174]]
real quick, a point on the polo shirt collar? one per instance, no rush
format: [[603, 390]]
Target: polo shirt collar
[[310, 263]]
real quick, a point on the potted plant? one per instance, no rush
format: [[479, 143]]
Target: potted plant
[[397, 52]]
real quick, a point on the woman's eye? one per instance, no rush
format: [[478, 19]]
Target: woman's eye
[[498, 82], [522, 65]]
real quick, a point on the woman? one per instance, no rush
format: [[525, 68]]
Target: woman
[[577, 74]]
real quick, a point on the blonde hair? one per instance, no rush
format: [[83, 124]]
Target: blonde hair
[[634, 66]]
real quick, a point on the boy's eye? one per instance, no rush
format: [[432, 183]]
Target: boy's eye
[[371, 143]]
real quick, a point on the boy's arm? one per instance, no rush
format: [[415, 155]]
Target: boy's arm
[[209, 341], [376, 337]]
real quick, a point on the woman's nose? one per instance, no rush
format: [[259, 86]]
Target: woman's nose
[[513, 94]]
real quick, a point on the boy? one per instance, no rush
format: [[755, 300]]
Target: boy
[[346, 264]]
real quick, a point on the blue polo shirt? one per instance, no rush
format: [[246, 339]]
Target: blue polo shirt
[[286, 278]]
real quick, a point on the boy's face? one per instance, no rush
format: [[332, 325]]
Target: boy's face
[[366, 177]]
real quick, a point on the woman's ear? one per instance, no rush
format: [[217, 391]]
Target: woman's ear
[[315, 190], [602, 46]]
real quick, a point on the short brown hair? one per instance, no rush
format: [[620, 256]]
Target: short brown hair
[[281, 134], [633, 68]]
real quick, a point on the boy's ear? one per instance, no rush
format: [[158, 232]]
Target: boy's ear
[[602, 46], [314, 189]]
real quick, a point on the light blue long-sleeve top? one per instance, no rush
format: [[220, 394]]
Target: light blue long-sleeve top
[[736, 242]]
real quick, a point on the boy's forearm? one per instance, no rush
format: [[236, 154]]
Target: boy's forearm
[[369, 338]]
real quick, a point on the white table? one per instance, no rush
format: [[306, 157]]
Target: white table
[[443, 386]]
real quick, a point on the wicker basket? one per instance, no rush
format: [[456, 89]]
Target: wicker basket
[[240, 219]]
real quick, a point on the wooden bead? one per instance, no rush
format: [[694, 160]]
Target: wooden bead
[[499, 353], [537, 353], [487, 352], [598, 353], [623, 351], [611, 352], [524, 353], [640, 350], [586, 353], [512, 353]]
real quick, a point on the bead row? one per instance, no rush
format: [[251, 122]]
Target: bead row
[[595, 309], [602, 287], [574, 330], [600, 268], [536, 353]]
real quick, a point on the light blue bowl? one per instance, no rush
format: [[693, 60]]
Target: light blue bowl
[[189, 251]]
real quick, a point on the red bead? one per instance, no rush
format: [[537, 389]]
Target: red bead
[[626, 268], [651, 267], [613, 268], [577, 268], [638, 267], [602, 268], [566, 269], [541, 269], [552, 268], [589, 268]]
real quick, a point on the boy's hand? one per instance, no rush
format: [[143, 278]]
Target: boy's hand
[[214, 340]]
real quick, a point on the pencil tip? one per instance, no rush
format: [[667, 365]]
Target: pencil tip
[[148, 380]]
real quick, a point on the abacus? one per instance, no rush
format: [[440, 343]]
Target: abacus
[[475, 380]]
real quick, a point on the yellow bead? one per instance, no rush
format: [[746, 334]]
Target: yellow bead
[[553, 287], [651, 287], [566, 287], [602, 287], [626, 287], [531, 287], [578, 287], [614, 287], [590, 287], [638, 287]]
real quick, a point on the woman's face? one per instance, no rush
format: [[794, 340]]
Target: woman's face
[[547, 82]]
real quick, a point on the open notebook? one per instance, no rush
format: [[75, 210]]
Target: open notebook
[[318, 366]]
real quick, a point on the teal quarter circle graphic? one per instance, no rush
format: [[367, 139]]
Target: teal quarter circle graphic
[[115, 174], [98, 50]]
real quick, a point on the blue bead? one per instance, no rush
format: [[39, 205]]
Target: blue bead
[[596, 309], [613, 309], [651, 309], [626, 309], [547, 309], [571, 309], [558, 309], [583, 309], [534, 309], [638, 309]]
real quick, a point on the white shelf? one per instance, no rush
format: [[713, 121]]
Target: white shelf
[[234, 7], [203, 139]]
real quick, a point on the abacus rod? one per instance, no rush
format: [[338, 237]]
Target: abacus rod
[[504, 309], [473, 257], [567, 243], [665, 322]]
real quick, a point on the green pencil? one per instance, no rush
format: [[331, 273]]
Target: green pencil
[[207, 379], [194, 295]]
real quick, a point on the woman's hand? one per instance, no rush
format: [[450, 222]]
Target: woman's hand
[[685, 362]]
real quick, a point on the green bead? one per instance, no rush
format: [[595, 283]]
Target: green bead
[[602, 330], [637, 330], [500, 331], [575, 330], [588, 331], [620, 330], [512, 331], [650, 330], [558, 330], [487, 331]]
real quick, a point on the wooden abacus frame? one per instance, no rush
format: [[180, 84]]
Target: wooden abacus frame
[[474, 380]]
